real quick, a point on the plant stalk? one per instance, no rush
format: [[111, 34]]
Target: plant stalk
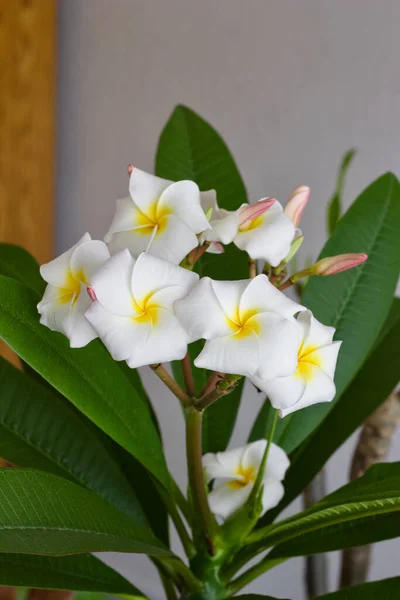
[[171, 384], [224, 386], [188, 375], [260, 476]]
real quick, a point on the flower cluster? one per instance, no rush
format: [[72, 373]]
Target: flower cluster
[[138, 293]]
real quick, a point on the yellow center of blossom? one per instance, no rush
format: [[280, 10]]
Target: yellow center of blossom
[[153, 218], [247, 476], [254, 223], [244, 323], [146, 309], [70, 290], [308, 358]]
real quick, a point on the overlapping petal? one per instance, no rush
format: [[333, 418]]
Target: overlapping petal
[[172, 240], [183, 200], [57, 271], [234, 354], [145, 190]]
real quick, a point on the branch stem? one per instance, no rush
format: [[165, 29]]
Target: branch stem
[[224, 386], [188, 375], [171, 384], [252, 268], [260, 476]]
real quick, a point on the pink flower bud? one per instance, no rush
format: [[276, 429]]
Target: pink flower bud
[[254, 210], [216, 248], [297, 203], [336, 264], [130, 169], [91, 293]]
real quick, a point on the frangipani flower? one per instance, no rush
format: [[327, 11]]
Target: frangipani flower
[[248, 325], [133, 312], [65, 300], [296, 204], [235, 472], [312, 381], [160, 217], [268, 236]]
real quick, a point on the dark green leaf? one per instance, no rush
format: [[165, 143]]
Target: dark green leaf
[[39, 430], [386, 589], [356, 301], [335, 203], [17, 263], [257, 597], [189, 148], [83, 572], [367, 391], [87, 376], [44, 514]]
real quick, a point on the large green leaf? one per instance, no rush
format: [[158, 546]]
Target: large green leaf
[[17, 263], [335, 204], [367, 391], [355, 302], [257, 597], [364, 511], [39, 430], [386, 589], [190, 148], [44, 514], [87, 376], [83, 572]]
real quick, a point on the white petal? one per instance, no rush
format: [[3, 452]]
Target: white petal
[[167, 341], [173, 240], [183, 200], [81, 332], [283, 392], [279, 342], [224, 226], [214, 248], [146, 190], [261, 295], [134, 240], [127, 217], [229, 294], [87, 259], [326, 357], [112, 284], [223, 465], [166, 281], [234, 354], [315, 333], [119, 334], [277, 462], [57, 271], [319, 388], [55, 310], [201, 314], [269, 236], [225, 499], [272, 493], [208, 200]]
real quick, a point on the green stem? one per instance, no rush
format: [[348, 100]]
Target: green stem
[[260, 476], [201, 510], [169, 587], [177, 571], [224, 386], [168, 500], [171, 384], [261, 567], [181, 501]]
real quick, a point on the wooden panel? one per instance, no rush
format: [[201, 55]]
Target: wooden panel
[[27, 119]]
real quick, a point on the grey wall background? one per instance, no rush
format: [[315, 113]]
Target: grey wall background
[[291, 85]]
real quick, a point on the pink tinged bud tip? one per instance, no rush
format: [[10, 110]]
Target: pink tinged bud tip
[[336, 264], [255, 210], [130, 169], [297, 203], [91, 293]]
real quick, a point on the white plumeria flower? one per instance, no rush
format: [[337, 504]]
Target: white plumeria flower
[[249, 326], [235, 472], [312, 381], [65, 300], [160, 217], [133, 312], [268, 236]]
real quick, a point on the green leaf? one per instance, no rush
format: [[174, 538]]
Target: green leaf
[[386, 589], [190, 148], [334, 210], [257, 597], [367, 391], [365, 511], [39, 430], [83, 572], [88, 377], [45, 514], [355, 302], [17, 263]]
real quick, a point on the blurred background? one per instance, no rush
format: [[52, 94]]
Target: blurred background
[[87, 85]]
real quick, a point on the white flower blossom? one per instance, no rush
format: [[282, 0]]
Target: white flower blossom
[[160, 217], [224, 224], [312, 382], [249, 326], [133, 313], [235, 472], [65, 300]]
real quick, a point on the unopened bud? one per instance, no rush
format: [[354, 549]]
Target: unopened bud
[[130, 169], [254, 210], [91, 293], [336, 264], [294, 247], [297, 203]]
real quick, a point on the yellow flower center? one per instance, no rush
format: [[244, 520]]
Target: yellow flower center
[[154, 217], [254, 223], [71, 288], [308, 358], [147, 310], [247, 476], [244, 323]]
